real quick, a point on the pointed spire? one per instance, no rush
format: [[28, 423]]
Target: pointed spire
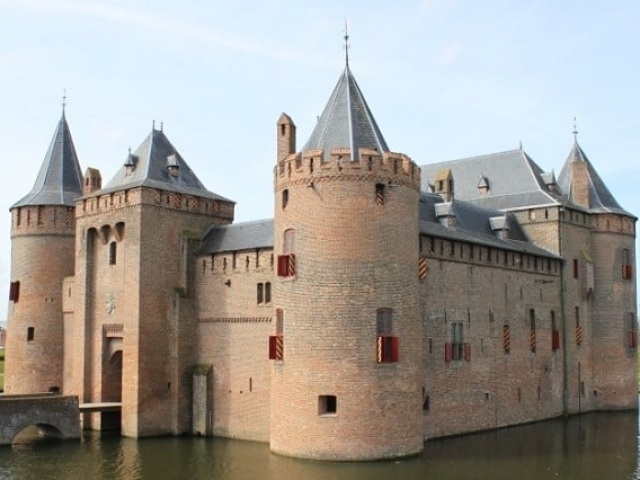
[[59, 181], [346, 121]]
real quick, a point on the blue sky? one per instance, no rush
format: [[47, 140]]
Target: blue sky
[[444, 78]]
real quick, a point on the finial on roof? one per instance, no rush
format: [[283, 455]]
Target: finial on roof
[[64, 100], [153, 124], [346, 43], [520, 145], [575, 129], [161, 125]]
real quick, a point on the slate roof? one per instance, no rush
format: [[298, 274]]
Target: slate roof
[[346, 121], [473, 224], [150, 162], [600, 198], [239, 236], [59, 181], [514, 180]]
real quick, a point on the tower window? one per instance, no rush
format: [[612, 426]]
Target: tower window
[[285, 198], [112, 253], [14, 291], [386, 345], [267, 292], [260, 293], [327, 404], [379, 194], [31, 333]]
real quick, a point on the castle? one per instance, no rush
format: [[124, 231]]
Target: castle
[[384, 304]]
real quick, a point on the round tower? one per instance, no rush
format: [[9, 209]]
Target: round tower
[[348, 333], [42, 255]]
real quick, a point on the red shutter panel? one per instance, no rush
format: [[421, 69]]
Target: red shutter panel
[[467, 352], [292, 265], [448, 352], [272, 348], [395, 349], [633, 338], [555, 339], [283, 261], [627, 271]]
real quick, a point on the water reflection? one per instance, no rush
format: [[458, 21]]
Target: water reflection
[[596, 446]]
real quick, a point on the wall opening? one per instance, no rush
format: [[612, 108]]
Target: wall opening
[[327, 404]]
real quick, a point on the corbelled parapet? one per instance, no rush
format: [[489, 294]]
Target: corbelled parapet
[[390, 168]]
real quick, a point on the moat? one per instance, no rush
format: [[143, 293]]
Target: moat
[[593, 446]]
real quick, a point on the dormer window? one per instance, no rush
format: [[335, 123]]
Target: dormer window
[[483, 185], [130, 164], [173, 165]]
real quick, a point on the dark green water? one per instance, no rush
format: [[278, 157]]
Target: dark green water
[[595, 446]]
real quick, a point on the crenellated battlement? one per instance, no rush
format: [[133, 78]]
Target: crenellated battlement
[[311, 166], [42, 219]]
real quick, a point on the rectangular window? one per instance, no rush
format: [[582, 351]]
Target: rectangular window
[[627, 269], [555, 333], [532, 331], [327, 404], [506, 338], [457, 350], [112, 253], [260, 293], [575, 268], [379, 194], [31, 333], [267, 292], [286, 265], [14, 291], [276, 347], [633, 330]]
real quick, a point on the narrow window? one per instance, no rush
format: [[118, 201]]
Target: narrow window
[[627, 269], [506, 338], [285, 198], [267, 292], [555, 333], [327, 404], [276, 342], [426, 402], [287, 261], [633, 330], [379, 194], [14, 291], [532, 332], [260, 293], [31, 333], [112, 253], [575, 268], [579, 330], [387, 344], [457, 343]]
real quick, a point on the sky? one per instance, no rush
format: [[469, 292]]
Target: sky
[[444, 79]]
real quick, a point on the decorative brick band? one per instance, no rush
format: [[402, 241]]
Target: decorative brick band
[[113, 330], [235, 320]]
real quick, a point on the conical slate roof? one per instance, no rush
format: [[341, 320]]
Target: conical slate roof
[[600, 198], [346, 121], [150, 166], [59, 181]]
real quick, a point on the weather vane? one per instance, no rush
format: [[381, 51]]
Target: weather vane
[[64, 99], [575, 128]]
